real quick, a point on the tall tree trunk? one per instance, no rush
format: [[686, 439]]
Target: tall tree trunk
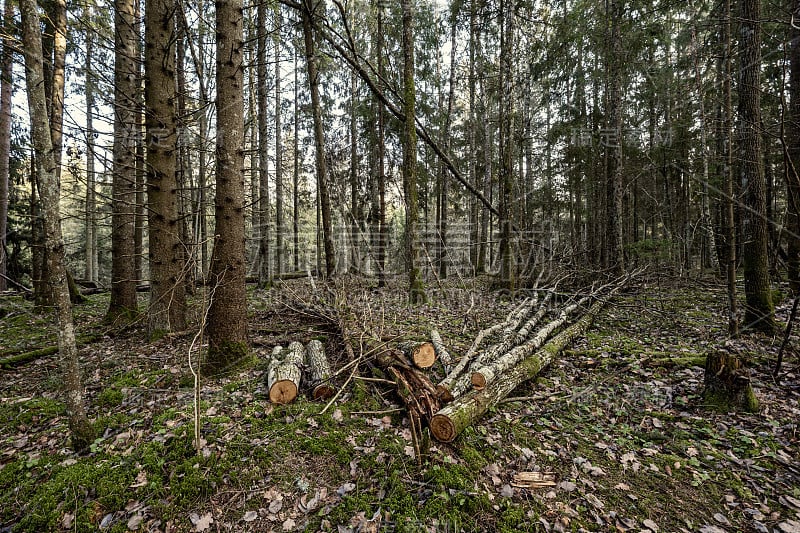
[[80, 427], [759, 310], [126, 133], [380, 156], [443, 177], [90, 222], [614, 254], [355, 256], [727, 165], [296, 171], [415, 286], [6, 88], [167, 310], [227, 317], [280, 229], [506, 178], [264, 256], [474, 234], [140, 209], [308, 12], [793, 164]]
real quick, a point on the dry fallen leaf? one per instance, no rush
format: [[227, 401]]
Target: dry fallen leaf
[[249, 516], [201, 523]]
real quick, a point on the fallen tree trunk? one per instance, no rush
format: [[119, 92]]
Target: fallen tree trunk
[[452, 419], [489, 370], [450, 387], [441, 351], [422, 354], [9, 360], [319, 371]]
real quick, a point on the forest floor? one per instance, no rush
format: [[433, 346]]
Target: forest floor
[[617, 419]]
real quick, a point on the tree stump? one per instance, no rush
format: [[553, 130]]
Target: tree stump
[[726, 387]]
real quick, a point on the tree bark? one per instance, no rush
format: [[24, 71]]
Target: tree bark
[[80, 427], [309, 12], [727, 165], [167, 310], [127, 132], [507, 278], [90, 221], [793, 148], [416, 290], [227, 318], [264, 254], [280, 230], [6, 89], [614, 253], [759, 310], [319, 371]]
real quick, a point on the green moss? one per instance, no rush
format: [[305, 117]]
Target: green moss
[[31, 411], [110, 397]]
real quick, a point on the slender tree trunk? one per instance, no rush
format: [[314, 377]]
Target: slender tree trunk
[[474, 234], [727, 164], [140, 209], [6, 88], [614, 254], [793, 164], [507, 274], [355, 256], [90, 222], [415, 286], [443, 177], [383, 230], [167, 311], [296, 171], [759, 310], [264, 256], [280, 229], [126, 134], [80, 427], [308, 12], [227, 317]]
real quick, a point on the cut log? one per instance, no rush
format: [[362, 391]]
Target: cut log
[[441, 351], [451, 420], [319, 371], [727, 388], [284, 375], [488, 372], [423, 354], [284, 382]]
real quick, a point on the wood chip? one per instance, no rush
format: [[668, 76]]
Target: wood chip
[[534, 480]]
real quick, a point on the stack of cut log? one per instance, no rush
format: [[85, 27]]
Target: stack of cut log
[[522, 345], [290, 366]]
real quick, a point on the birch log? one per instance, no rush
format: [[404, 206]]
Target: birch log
[[451, 420], [441, 350], [489, 370], [319, 371], [284, 374], [455, 383]]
